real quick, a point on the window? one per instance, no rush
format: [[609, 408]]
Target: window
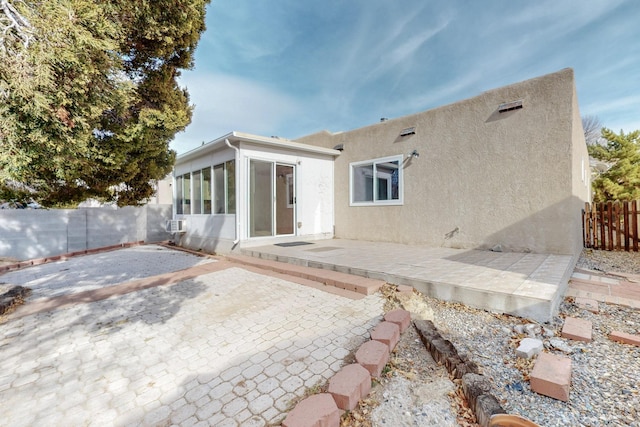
[[179, 185], [201, 191], [211, 194], [206, 191], [230, 168], [186, 194], [197, 192], [376, 182], [224, 188]]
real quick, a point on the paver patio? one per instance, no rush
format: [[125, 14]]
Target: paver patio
[[229, 347]]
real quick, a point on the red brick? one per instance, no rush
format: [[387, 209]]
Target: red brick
[[624, 337], [577, 329], [387, 333], [404, 289], [551, 376], [400, 317], [349, 385], [319, 410], [373, 355], [587, 304]]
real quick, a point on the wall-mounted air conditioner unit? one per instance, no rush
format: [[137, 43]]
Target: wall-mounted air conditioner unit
[[176, 226]]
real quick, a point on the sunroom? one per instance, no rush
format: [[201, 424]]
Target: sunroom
[[243, 190]]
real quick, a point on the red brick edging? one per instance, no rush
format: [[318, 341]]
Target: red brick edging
[[353, 382], [45, 260]]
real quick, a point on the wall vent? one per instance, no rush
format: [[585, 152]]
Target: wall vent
[[408, 131], [510, 106]]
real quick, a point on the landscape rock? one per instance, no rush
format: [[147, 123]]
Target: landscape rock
[[529, 347], [532, 330], [560, 344]]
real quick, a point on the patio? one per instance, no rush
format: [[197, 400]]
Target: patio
[[523, 284], [153, 336]]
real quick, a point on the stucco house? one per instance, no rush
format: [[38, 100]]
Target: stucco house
[[508, 167]]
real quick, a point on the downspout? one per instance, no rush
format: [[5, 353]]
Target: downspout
[[237, 172]]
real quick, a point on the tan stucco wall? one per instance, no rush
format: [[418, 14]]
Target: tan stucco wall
[[483, 178]]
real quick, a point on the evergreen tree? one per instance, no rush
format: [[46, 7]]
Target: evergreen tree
[[88, 94], [622, 180]]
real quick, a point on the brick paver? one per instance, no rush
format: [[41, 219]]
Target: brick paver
[[551, 376], [228, 347]]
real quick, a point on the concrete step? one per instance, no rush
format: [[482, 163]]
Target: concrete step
[[533, 299], [358, 284]]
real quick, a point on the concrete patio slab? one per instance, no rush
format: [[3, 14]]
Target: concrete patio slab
[[522, 284]]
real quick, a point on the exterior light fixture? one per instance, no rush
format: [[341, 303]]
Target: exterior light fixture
[[414, 154]]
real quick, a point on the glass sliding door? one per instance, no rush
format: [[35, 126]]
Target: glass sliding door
[[260, 198], [271, 199], [285, 199]]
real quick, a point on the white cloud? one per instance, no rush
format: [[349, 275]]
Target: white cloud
[[225, 103]]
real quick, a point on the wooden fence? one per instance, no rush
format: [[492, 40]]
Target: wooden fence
[[611, 226]]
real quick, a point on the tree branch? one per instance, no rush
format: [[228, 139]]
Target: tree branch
[[12, 23]]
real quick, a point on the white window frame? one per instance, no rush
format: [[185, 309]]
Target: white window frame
[[394, 202]]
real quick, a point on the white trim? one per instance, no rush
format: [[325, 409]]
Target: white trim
[[220, 143], [392, 202]]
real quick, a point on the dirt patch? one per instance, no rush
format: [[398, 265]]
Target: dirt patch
[[12, 298]]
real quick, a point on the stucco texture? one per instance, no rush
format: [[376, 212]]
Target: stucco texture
[[483, 178]]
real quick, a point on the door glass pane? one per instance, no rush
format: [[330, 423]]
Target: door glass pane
[[218, 189], [206, 191], [260, 198], [231, 186], [284, 199], [197, 193]]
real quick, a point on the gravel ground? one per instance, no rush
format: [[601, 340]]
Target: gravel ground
[[605, 389], [622, 262]]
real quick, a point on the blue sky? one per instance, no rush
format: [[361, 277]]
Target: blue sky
[[292, 67]]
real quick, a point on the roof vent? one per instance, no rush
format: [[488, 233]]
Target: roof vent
[[408, 131], [510, 106]]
